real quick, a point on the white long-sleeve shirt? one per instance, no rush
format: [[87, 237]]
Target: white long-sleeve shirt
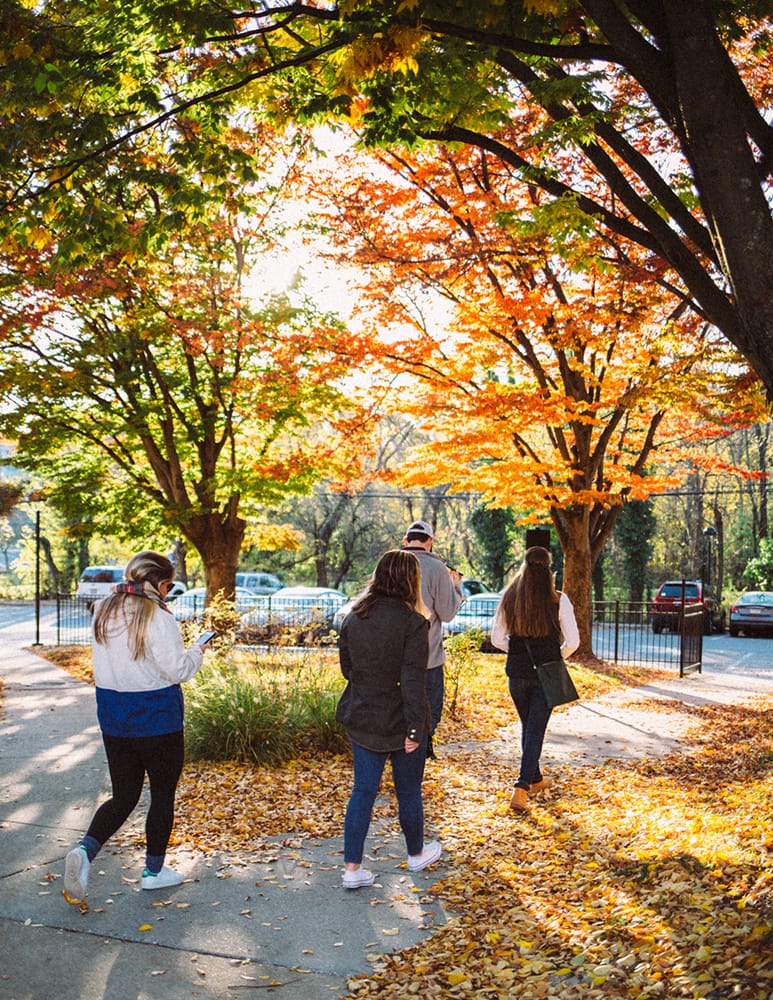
[[570, 635], [142, 697]]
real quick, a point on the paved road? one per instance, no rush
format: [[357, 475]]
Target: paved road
[[745, 655]]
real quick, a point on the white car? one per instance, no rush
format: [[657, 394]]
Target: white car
[[190, 605], [98, 581], [259, 583], [296, 614]]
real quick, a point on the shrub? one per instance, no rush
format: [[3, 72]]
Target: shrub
[[266, 708], [462, 663]]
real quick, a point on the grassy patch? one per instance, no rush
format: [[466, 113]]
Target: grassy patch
[[264, 709]]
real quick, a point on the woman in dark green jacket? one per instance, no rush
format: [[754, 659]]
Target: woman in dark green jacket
[[383, 653]]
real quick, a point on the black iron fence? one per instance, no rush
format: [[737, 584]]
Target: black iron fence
[[73, 620], [623, 631]]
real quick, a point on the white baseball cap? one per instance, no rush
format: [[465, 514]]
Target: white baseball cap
[[421, 526]]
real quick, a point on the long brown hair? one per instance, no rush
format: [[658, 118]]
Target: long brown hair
[[530, 603], [397, 574], [134, 612]]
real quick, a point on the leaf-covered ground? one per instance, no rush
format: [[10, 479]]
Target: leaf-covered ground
[[628, 880]]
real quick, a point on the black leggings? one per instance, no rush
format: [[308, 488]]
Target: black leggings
[[129, 759]]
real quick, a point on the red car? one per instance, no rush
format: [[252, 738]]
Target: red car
[[667, 606]]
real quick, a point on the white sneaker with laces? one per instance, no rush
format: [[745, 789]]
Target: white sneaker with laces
[[357, 878], [76, 873], [430, 853], [164, 879]]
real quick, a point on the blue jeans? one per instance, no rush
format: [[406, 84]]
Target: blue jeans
[[534, 714], [407, 774]]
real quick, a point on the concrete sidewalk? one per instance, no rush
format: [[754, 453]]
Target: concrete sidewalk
[[278, 922]]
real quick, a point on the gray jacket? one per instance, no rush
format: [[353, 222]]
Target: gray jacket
[[441, 597]]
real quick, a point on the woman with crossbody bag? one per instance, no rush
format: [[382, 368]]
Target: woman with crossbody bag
[[534, 623]]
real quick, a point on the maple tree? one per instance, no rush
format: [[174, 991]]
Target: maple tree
[[141, 369], [557, 377], [660, 100]]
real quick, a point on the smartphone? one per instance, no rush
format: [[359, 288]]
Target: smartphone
[[205, 637]]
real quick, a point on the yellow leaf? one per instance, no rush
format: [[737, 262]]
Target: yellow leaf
[[454, 978], [145, 927]]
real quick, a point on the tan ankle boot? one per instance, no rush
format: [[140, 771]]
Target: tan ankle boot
[[520, 800], [540, 786]]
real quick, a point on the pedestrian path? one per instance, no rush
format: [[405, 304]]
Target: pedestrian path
[[278, 921], [281, 917]]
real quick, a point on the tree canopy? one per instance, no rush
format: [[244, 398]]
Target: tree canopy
[[155, 382], [662, 100], [559, 372]]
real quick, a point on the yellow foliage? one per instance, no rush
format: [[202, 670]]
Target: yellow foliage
[[549, 8], [273, 537], [392, 51]]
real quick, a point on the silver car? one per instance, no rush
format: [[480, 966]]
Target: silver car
[[752, 612], [293, 615], [477, 612]]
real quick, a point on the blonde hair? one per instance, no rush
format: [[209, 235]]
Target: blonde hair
[[133, 612], [530, 603], [397, 574]]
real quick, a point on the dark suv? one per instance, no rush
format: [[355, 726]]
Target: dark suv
[[667, 606]]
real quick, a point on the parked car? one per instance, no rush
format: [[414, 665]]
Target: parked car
[[667, 606], [259, 583], [477, 612], [294, 615], [752, 612], [177, 588], [470, 587], [98, 581], [190, 605]]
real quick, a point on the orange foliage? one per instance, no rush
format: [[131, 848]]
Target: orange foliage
[[552, 369], [553, 373]]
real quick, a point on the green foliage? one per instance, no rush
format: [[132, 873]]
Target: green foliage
[[10, 494], [462, 664], [278, 708], [495, 530], [634, 531], [759, 571]]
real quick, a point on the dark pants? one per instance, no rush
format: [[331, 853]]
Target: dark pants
[[129, 760], [407, 775], [436, 685], [534, 714]]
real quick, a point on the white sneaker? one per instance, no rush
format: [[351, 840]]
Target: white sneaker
[[76, 873], [430, 853], [164, 879], [357, 878]]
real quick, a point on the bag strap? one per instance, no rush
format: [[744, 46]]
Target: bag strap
[[528, 650]]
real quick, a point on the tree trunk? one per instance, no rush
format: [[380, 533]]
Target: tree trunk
[[719, 525], [53, 569], [218, 540], [715, 120], [572, 526]]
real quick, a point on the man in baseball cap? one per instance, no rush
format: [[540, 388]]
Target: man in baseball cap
[[442, 595]]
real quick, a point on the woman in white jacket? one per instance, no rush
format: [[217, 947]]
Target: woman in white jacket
[[534, 623], [139, 663]]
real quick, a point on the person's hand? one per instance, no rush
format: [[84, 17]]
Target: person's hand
[[456, 576], [411, 745]]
